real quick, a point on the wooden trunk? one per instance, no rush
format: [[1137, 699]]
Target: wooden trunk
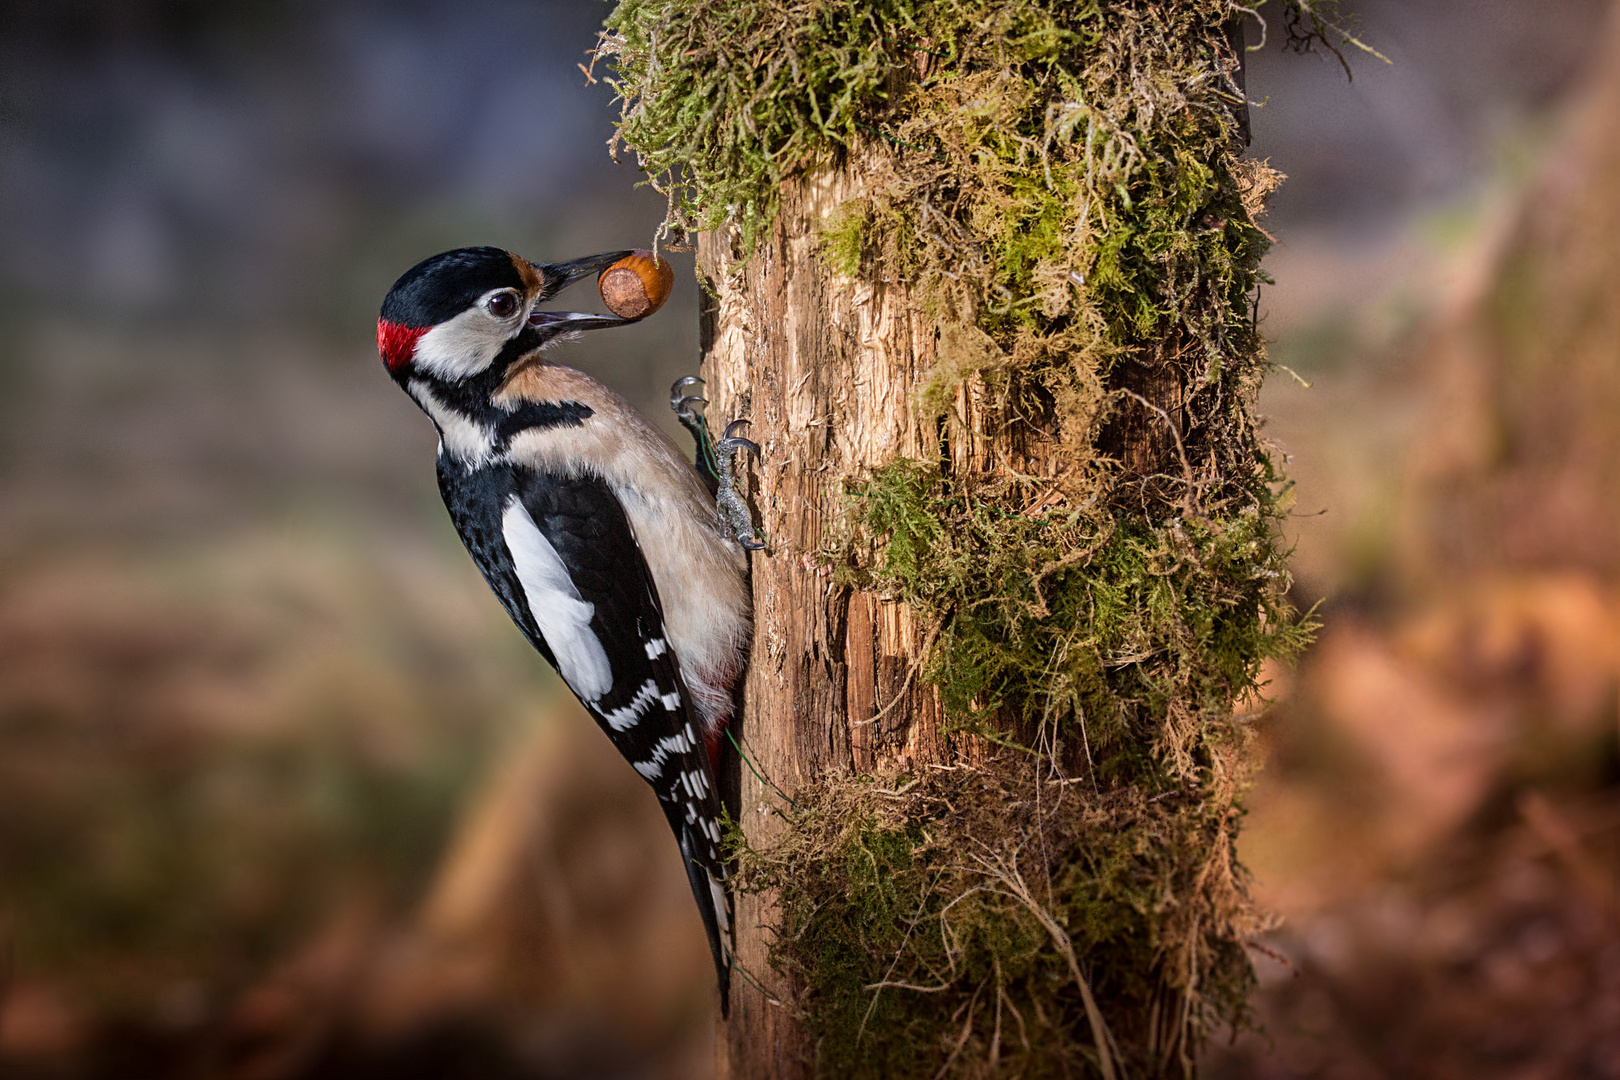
[[826, 370]]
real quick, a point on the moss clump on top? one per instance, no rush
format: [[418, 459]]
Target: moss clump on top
[[1057, 183], [724, 101]]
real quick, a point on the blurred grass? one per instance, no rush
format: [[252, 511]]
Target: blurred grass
[[202, 752]]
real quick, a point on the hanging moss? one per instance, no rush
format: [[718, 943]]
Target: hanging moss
[[1058, 183], [919, 913], [1105, 630]]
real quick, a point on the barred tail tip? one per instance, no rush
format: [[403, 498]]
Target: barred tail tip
[[710, 893]]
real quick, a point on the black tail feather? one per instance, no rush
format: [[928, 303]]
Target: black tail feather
[[715, 921]]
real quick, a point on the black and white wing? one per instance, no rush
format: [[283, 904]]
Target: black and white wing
[[584, 597]]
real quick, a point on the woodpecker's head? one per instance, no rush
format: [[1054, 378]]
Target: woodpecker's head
[[470, 313]]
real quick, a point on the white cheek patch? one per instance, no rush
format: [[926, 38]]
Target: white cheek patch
[[563, 617], [465, 345]]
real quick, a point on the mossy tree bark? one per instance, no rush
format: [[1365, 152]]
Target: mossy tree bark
[[981, 278], [826, 370]]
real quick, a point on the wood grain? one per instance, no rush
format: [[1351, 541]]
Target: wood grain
[[825, 368]]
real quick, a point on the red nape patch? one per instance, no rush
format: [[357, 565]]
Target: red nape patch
[[396, 343]]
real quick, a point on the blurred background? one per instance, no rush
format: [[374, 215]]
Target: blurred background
[[283, 794]]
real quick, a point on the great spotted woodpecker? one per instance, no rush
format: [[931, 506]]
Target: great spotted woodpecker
[[601, 541]]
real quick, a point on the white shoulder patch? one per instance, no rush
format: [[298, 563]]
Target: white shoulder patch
[[563, 618]]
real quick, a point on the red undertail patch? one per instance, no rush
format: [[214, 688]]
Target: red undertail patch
[[396, 343], [711, 743]]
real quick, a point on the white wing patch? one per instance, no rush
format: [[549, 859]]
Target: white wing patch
[[653, 767], [563, 617], [695, 784], [717, 893]]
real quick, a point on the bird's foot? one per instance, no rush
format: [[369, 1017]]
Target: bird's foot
[[734, 516], [688, 407], [716, 462]]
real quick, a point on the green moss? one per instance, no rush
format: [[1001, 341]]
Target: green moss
[[843, 240], [724, 100], [1056, 182], [1060, 618], [913, 916]]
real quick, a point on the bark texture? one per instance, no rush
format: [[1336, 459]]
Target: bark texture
[[1057, 485], [826, 369]]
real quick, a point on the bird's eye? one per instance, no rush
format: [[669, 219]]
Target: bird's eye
[[503, 305]]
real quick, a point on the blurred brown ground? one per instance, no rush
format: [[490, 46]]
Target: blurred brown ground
[[282, 795], [1440, 824]]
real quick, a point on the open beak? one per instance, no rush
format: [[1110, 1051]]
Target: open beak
[[558, 276], [570, 321]]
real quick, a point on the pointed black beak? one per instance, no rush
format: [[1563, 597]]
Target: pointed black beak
[[557, 277]]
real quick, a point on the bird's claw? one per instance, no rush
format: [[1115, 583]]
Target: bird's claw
[[716, 461], [688, 407], [679, 390], [730, 444], [734, 513]]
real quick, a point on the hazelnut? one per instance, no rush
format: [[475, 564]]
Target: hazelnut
[[637, 285]]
